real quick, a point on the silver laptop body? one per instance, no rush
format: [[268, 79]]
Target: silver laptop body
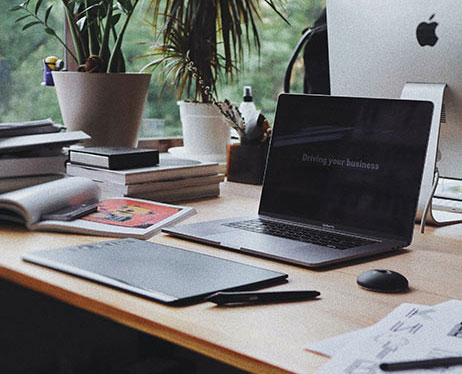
[[347, 168]]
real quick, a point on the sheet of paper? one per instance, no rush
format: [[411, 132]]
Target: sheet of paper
[[409, 332], [330, 346]]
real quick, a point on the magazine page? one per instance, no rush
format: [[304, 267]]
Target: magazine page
[[33, 202], [122, 217]]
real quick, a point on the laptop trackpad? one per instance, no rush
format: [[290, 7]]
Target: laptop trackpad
[[266, 244]]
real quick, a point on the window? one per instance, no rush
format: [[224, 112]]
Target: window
[[22, 97]]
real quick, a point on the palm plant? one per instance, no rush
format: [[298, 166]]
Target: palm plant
[[94, 27], [200, 42]]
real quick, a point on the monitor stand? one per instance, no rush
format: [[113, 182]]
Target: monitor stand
[[433, 92]]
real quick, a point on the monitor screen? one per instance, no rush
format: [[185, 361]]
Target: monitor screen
[[348, 163], [376, 47]]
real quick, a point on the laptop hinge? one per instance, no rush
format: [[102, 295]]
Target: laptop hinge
[[376, 238]]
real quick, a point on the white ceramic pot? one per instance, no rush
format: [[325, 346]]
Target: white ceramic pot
[[205, 133], [107, 106]]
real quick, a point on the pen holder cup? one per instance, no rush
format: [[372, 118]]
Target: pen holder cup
[[246, 162]]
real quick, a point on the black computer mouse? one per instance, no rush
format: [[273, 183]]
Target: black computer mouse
[[383, 281]]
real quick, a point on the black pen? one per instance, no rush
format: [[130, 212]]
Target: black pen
[[245, 297], [421, 364]]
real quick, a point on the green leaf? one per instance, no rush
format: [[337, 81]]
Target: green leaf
[[126, 5], [30, 25], [115, 19], [37, 6], [81, 23], [49, 31], [94, 6], [47, 13], [153, 64], [15, 8], [23, 17], [274, 7]]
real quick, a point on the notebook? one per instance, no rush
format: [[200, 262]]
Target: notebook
[[342, 181], [167, 274]]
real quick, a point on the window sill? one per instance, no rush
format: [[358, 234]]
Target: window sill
[[161, 143]]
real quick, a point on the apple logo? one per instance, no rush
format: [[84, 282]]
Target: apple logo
[[426, 33]]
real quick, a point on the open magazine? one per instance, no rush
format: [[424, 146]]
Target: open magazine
[[117, 217]]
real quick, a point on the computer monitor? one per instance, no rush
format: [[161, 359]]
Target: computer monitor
[[377, 46]]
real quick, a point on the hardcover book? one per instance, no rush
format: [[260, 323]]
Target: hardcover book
[[12, 166], [168, 168], [115, 157], [182, 194], [43, 126], [118, 217], [170, 185], [53, 140], [17, 183]]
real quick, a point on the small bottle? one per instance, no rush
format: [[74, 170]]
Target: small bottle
[[247, 107]]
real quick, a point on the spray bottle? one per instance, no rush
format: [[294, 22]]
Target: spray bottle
[[247, 106]]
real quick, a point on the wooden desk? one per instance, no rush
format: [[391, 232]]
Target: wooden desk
[[263, 338]]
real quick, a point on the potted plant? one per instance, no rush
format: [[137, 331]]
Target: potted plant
[[200, 43], [100, 98]]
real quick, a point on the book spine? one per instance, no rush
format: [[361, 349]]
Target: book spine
[[16, 167], [173, 173], [100, 175], [188, 193], [174, 184], [120, 177]]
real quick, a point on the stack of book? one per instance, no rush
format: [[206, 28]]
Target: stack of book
[[171, 180], [32, 153]]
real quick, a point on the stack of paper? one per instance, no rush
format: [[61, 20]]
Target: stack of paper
[[409, 332]]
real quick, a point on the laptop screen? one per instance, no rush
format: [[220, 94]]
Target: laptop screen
[[347, 163]]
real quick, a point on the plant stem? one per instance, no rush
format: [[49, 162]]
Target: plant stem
[[116, 54], [92, 30], [75, 37], [104, 51]]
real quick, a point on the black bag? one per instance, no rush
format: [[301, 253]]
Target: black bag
[[315, 58]]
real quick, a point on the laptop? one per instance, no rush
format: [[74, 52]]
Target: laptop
[[342, 181]]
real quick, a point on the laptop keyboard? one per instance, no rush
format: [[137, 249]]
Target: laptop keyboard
[[302, 234]]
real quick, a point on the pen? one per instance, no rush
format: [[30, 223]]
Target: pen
[[71, 212], [222, 298], [421, 364]]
